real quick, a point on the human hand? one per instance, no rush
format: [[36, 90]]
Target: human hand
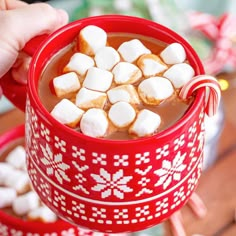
[[20, 22]]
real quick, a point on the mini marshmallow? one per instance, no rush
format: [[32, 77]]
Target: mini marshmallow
[[5, 170], [17, 158], [79, 63], [91, 39], [173, 54], [121, 114], [18, 180], [86, 99], [67, 113], [25, 203], [179, 74], [98, 79], [131, 50], [42, 214], [126, 73], [146, 123], [106, 58], [7, 196], [155, 89], [125, 93], [66, 84], [94, 123], [151, 65]]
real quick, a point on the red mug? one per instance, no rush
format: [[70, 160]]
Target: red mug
[[13, 225], [108, 185]]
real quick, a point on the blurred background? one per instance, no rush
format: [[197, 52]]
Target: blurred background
[[193, 19]]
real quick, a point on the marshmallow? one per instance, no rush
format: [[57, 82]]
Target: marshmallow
[[106, 58], [146, 123], [125, 93], [86, 99], [121, 114], [67, 113], [7, 196], [91, 39], [131, 50], [98, 79], [17, 179], [25, 203], [66, 84], [79, 63], [151, 65], [126, 73], [42, 214], [17, 158], [5, 171], [179, 74], [94, 123], [173, 54], [155, 89]]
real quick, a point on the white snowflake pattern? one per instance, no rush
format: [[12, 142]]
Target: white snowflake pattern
[[112, 184], [55, 165], [170, 170]]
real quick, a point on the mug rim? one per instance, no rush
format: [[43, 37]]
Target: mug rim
[[190, 112]]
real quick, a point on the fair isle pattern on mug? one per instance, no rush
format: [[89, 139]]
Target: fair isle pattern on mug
[[97, 188]]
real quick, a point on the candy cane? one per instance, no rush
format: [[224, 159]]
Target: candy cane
[[213, 91]]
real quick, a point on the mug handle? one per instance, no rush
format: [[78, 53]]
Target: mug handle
[[15, 92]]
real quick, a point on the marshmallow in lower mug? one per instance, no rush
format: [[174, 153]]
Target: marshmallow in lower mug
[[126, 73], [155, 89], [146, 123], [79, 63], [94, 123], [98, 79], [17, 158], [125, 93], [91, 39], [42, 214], [66, 112], [87, 98], [151, 65], [66, 84], [5, 170], [7, 196], [106, 58], [131, 50], [121, 114], [19, 180], [25, 203], [173, 54], [179, 74]]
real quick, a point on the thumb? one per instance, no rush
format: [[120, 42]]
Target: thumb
[[18, 26]]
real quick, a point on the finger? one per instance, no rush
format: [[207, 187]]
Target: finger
[[38, 18], [19, 70], [20, 25], [177, 227], [11, 4], [197, 205]]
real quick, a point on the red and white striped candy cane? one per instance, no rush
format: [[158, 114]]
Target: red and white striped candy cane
[[213, 91]]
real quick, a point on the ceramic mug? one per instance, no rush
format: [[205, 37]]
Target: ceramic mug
[[107, 185]]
